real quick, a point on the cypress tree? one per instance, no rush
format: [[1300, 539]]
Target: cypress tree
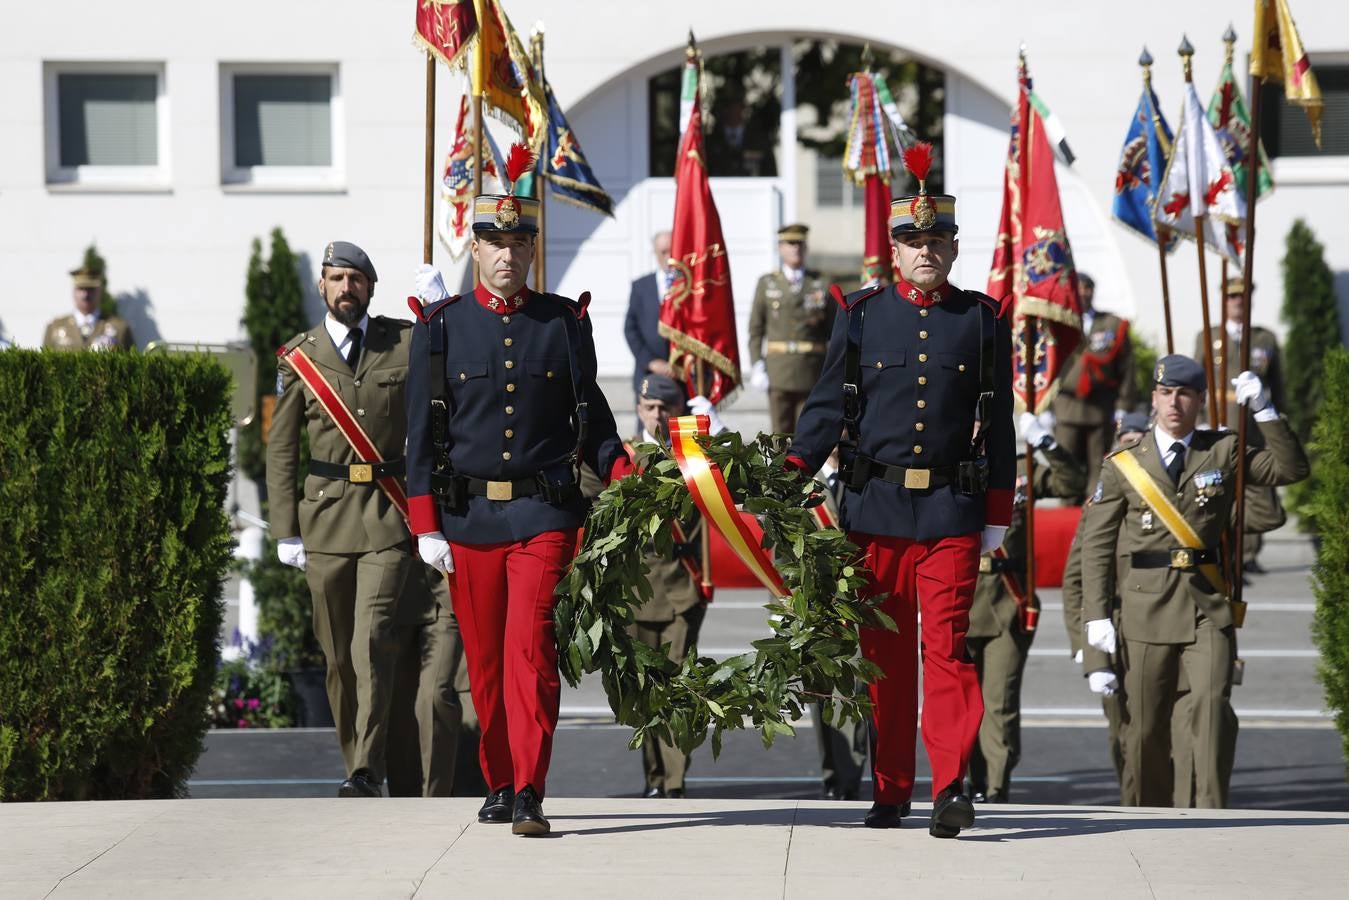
[[1313, 325]]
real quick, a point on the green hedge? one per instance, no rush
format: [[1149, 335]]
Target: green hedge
[[1330, 504], [113, 471]]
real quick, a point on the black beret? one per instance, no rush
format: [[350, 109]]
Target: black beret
[[1179, 371], [666, 390], [1135, 421], [347, 255]]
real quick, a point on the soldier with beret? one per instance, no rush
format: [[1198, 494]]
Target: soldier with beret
[[789, 326], [911, 368], [88, 328], [1159, 512], [1264, 512], [1004, 616], [344, 529], [503, 407], [1097, 388]]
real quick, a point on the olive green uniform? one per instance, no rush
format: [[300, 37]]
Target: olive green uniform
[[355, 538], [425, 715], [997, 638], [1264, 512], [108, 333], [1085, 421], [1172, 620], [789, 330]]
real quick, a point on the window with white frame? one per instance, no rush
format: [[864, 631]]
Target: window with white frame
[[834, 188], [106, 124], [280, 126]]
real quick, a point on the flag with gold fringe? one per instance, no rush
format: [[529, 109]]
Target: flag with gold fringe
[[1277, 55]]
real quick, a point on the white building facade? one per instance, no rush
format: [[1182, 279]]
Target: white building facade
[[207, 126]]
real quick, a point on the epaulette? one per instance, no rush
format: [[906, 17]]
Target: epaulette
[[1128, 445], [292, 343], [577, 306], [425, 313], [855, 297], [998, 308]]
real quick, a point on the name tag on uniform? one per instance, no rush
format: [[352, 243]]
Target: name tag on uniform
[[1145, 521]]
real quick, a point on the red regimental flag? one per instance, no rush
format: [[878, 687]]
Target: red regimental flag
[[877, 263], [444, 27], [697, 314], [1032, 260]]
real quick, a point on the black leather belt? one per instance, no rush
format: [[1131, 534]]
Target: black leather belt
[[916, 479], [356, 473], [993, 565], [1175, 558], [502, 490]]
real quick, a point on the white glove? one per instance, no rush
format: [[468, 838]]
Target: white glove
[[1101, 635], [1077, 657], [430, 286], [991, 539], [1119, 417], [701, 406], [1102, 682], [291, 552], [1250, 392], [758, 376], [1035, 429], [435, 551]]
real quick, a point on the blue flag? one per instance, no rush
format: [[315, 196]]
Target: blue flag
[[1142, 166], [564, 164]]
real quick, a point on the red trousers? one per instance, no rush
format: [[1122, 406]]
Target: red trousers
[[936, 577], [503, 599]]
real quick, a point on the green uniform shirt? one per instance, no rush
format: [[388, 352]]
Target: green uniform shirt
[[108, 333], [1111, 383], [800, 318]]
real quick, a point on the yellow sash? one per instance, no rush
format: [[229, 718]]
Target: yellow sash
[[1175, 523]]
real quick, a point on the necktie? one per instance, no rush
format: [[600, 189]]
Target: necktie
[[1177, 464], [354, 348]]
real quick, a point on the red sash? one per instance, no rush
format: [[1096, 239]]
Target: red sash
[[1093, 364], [346, 423], [1029, 612]]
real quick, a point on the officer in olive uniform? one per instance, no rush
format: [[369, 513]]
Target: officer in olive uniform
[[1002, 624], [911, 367], [1098, 386], [1264, 512], [674, 614], [1097, 667], [425, 716], [1165, 500], [789, 330], [345, 532], [88, 328], [502, 409]]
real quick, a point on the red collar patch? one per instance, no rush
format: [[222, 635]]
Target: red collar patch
[[501, 305], [923, 298]]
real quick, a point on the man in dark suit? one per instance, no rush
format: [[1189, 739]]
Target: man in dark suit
[[641, 326]]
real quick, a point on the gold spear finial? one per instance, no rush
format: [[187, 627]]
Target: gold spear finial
[[1229, 39], [1186, 51], [1145, 63]]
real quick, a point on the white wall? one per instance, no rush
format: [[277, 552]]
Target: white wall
[[185, 249]]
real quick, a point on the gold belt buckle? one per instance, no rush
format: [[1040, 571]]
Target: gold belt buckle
[[500, 490], [1182, 559], [917, 479], [360, 473], [985, 565]]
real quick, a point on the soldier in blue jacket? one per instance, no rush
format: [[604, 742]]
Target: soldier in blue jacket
[[502, 408], [918, 375]]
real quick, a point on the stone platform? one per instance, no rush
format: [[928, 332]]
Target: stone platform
[[704, 849]]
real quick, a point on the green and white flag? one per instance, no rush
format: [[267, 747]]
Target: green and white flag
[[1227, 112]]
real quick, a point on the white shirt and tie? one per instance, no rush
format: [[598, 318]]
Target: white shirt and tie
[[344, 335]]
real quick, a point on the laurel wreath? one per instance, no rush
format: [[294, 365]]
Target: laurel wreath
[[811, 654]]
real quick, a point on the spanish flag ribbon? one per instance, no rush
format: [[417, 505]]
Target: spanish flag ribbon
[[707, 486]]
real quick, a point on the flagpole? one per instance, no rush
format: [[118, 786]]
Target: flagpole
[[429, 190], [1186, 52], [700, 375], [1247, 267], [1145, 62], [540, 255], [1028, 515], [1229, 42], [477, 83]]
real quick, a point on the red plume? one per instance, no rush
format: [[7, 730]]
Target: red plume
[[918, 159], [519, 161]]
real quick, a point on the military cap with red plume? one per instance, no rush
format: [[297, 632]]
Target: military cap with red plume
[[507, 212], [922, 211]]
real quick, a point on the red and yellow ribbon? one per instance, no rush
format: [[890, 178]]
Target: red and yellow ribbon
[[707, 485]]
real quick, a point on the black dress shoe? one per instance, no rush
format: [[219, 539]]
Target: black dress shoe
[[528, 818], [1254, 567], [498, 806], [654, 793], [360, 784], [832, 792], [675, 793], [886, 815], [951, 811], [996, 797]]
